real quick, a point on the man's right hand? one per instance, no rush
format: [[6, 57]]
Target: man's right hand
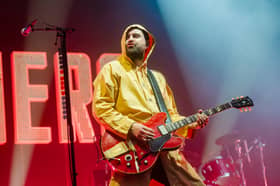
[[141, 132]]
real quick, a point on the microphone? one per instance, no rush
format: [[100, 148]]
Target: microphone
[[28, 29]]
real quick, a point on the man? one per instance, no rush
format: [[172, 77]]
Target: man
[[124, 100]]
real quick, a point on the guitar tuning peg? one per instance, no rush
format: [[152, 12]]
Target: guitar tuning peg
[[241, 110], [241, 96], [246, 109], [249, 108]]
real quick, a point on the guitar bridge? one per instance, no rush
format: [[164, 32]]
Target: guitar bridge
[[162, 129]]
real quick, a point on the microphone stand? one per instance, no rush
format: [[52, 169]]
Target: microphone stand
[[63, 65], [260, 145]]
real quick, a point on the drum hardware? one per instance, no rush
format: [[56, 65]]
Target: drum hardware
[[260, 145], [247, 152], [240, 162], [228, 170], [221, 172], [228, 139]]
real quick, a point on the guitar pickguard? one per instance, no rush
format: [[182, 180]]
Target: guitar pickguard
[[156, 144]]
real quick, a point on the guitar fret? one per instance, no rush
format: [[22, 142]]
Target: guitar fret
[[228, 105], [210, 112], [207, 112], [172, 127], [194, 118], [219, 109], [168, 128], [225, 106], [215, 110], [181, 124], [175, 126], [178, 124]]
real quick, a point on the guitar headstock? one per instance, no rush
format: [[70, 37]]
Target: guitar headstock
[[242, 103]]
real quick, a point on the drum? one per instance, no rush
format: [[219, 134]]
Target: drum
[[220, 171]]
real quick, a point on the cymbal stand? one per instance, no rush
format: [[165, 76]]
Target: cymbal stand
[[240, 162], [260, 146]]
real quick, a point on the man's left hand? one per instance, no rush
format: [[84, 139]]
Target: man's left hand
[[202, 120]]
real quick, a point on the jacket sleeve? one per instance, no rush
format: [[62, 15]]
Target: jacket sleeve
[[175, 116], [185, 132], [104, 98]]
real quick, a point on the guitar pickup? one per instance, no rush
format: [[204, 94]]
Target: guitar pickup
[[162, 129]]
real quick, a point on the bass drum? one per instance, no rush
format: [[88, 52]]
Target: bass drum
[[220, 172]]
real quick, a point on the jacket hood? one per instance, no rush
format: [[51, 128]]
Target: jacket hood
[[149, 48]]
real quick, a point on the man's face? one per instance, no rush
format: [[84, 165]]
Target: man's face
[[135, 44]]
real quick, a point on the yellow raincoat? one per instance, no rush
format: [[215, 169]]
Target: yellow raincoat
[[122, 96]]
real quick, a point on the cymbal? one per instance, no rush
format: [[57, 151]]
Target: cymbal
[[228, 139]]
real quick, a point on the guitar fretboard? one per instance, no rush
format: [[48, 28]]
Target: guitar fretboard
[[192, 118]]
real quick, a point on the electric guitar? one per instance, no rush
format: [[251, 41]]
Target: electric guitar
[[133, 156]]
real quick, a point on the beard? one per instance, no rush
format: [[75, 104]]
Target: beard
[[135, 53]]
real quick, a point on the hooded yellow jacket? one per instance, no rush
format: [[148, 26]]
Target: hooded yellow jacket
[[123, 94]]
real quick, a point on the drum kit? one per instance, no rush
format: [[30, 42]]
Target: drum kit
[[228, 168]]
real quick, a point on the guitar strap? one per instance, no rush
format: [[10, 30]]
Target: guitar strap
[[158, 173], [158, 95]]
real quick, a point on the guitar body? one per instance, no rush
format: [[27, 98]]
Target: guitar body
[[141, 158]]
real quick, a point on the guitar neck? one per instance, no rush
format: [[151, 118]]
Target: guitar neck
[[192, 118]]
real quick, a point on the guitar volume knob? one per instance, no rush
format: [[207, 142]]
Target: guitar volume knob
[[128, 157], [128, 164], [146, 162]]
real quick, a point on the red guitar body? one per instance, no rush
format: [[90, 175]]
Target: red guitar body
[[141, 158]]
